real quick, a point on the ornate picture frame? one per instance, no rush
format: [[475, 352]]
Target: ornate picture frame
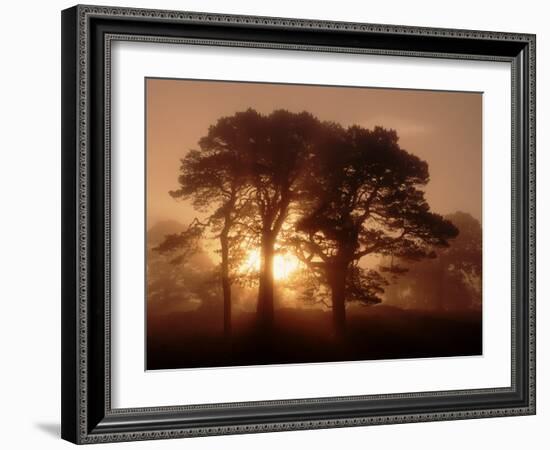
[[88, 33]]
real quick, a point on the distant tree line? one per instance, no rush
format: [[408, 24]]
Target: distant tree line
[[332, 195], [452, 282]]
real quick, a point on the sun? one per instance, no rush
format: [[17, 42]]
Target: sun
[[284, 264]]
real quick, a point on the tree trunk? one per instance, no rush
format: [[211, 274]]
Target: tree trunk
[[337, 280], [265, 290], [226, 285]]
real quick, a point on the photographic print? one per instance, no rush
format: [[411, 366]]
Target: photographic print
[[335, 200], [292, 223]]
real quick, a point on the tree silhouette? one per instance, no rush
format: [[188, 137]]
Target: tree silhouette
[[273, 150], [463, 260], [215, 179], [166, 287], [362, 197], [453, 280], [182, 280]]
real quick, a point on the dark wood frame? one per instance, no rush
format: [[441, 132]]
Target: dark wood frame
[[87, 32]]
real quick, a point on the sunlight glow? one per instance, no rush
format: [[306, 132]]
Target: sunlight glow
[[284, 265]]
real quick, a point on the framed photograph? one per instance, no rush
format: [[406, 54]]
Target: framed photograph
[[280, 224]]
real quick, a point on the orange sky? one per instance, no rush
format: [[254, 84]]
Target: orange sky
[[443, 128]]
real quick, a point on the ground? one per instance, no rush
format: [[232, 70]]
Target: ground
[[195, 338]]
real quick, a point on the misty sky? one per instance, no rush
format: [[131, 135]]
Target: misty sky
[[443, 128]]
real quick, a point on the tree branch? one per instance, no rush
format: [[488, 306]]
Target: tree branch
[[380, 245]]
